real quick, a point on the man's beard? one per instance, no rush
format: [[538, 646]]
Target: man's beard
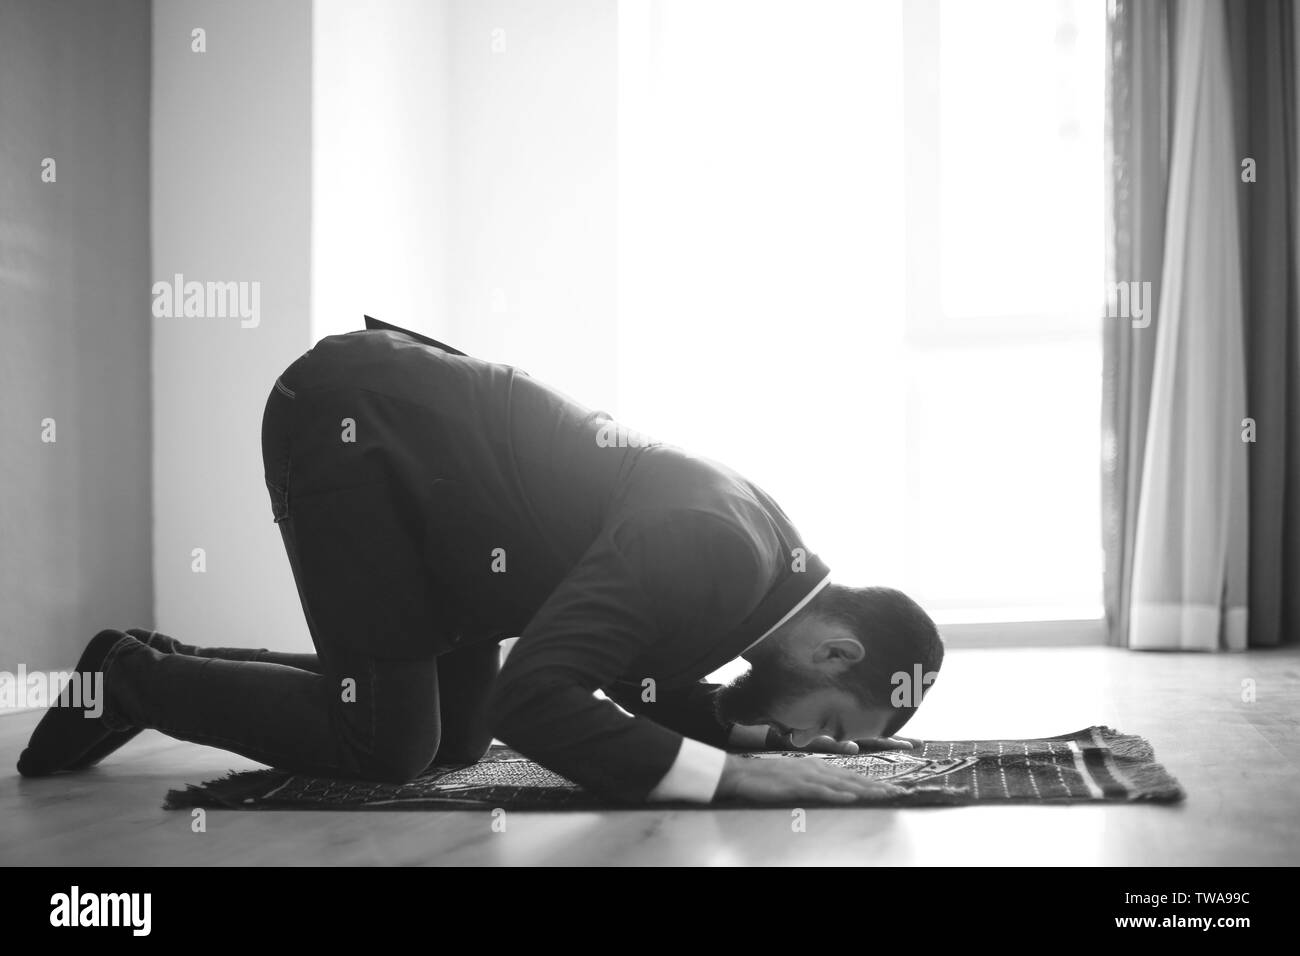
[[770, 682]]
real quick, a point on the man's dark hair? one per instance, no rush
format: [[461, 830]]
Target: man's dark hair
[[900, 640]]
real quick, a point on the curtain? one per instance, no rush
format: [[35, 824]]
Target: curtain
[[1137, 146], [1199, 496], [1262, 35]]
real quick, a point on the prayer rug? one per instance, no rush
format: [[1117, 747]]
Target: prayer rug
[[1095, 764]]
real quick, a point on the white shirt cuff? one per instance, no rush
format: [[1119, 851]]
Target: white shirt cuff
[[748, 736], [694, 775]]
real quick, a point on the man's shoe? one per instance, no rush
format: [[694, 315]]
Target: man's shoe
[[66, 736], [116, 738]]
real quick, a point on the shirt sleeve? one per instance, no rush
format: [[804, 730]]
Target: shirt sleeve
[[694, 775], [690, 711]]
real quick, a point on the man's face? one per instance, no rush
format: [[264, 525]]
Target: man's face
[[792, 688]]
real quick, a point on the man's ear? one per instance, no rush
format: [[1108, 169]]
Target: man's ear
[[847, 650]]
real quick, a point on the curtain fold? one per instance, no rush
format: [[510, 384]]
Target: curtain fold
[[1191, 543], [1137, 148], [1262, 35], [1201, 462]]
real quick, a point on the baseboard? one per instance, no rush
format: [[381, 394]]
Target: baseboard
[[1085, 633]]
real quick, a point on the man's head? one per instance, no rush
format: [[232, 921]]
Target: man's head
[[853, 664]]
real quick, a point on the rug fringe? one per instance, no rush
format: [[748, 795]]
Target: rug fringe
[[1128, 746], [235, 788], [1153, 782], [1135, 758]]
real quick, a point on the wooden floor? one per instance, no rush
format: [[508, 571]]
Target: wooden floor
[[1238, 761]]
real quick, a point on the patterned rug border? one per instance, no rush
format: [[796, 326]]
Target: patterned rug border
[[1121, 769]]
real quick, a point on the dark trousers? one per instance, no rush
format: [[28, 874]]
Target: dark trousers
[[373, 702]]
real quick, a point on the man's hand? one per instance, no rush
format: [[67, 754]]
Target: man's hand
[[829, 745], [890, 743], [781, 780]]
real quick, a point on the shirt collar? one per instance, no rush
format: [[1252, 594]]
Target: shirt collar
[[790, 613]]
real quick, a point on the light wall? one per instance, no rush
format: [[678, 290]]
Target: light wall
[[231, 145], [447, 166], [380, 161], [464, 178], [74, 306], [533, 189]]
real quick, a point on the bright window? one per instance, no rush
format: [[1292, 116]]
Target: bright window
[[860, 261]]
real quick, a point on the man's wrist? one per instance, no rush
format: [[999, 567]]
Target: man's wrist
[[727, 783]]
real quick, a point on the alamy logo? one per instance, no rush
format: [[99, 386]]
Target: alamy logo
[[910, 688], [102, 909], [208, 300], [52, 689], [614, 435], [1130, 300]]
